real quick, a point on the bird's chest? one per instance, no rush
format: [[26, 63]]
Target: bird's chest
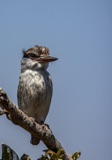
[[35, 87]]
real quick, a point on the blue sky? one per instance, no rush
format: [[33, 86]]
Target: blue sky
[[79, 33]]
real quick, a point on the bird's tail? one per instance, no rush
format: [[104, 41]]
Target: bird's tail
[[34, 140]]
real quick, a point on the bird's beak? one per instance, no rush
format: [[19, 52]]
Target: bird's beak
[[44, 59]]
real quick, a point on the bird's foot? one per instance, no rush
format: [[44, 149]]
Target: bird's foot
[[32, 119], [4, 111], [47, 125]]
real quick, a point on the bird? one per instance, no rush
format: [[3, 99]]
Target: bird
[[35, 86]]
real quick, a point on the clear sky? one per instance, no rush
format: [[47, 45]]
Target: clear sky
[[79, 33]]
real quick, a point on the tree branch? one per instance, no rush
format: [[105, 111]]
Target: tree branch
[[20, 118]]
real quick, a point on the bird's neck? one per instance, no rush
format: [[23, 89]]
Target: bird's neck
[[27, 64]]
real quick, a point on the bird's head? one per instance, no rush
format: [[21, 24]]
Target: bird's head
[[36, 58]]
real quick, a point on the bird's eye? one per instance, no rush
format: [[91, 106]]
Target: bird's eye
[[32, 55]]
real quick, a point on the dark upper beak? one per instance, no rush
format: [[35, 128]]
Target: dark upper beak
[[45, 59]]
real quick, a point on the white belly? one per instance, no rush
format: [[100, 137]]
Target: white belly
[[35, 93]]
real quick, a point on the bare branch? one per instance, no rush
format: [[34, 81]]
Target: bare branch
[[20, 118]]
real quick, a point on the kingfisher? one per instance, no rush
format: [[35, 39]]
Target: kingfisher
[[35, 85]]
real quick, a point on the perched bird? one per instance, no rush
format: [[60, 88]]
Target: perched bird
[[35, 85]]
